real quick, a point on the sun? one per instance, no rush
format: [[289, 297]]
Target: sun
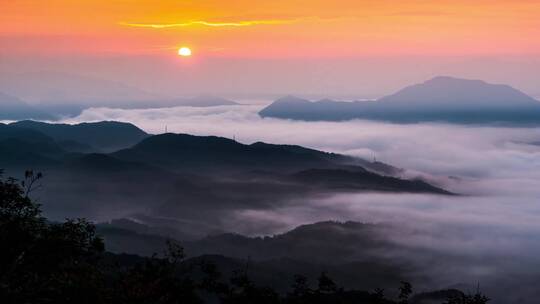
[[184, 51]]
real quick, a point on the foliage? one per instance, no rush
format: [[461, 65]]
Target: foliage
[[476, 298], [43, 262]]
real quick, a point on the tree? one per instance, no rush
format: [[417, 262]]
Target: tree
[[41, 261], [405, 291], [156, 281], [477, 298], [326, 284]]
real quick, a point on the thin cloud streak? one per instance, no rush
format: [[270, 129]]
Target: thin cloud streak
[[211, 24]]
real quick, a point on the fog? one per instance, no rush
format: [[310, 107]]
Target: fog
[[479, 157], [493, 167], [487, 233]]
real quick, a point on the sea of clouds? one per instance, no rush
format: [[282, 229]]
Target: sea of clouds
[[493, 167], [497, 217], [472, 153]]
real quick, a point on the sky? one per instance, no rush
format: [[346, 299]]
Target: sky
[[356, 48]]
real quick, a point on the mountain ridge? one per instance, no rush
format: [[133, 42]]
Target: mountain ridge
[[443, 98], [103, 135], [14, 108], [184, 176]]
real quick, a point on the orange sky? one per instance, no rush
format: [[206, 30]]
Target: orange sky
[[278, 29]]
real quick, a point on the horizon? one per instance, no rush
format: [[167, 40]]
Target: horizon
[[349, 49], [254, 99]]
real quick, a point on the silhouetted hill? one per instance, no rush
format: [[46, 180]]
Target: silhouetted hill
[[201, 101], [362, 180], [439, 99], [187, 153], [329, 242], [291, 107], [193, 153], [25, 148], [12, 108], [455, 93], [347, 250], [75, 146], [18, 154], [46, 147], [102, 163], [25, 134], [173, 176], [105, 135]]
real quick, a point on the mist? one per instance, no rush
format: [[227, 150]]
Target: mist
[[495, 170], [475, 153]]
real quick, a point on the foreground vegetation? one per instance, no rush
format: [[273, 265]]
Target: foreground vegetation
[[45, 262]]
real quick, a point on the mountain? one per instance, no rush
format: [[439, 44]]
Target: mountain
[[191, 181], [12, 108], [12, 132], [44, 146], [25, 148], [362, 180], [51, 87], [104, 136], [333, 243], [54, 95], [455, 93], [202, 101], [68, 94], [195, 153], [72, 110], [348, 250], [444, 99], [188, 153], [20, 155], [292, 107]]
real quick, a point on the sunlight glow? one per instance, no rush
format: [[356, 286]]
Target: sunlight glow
[[184, 51]]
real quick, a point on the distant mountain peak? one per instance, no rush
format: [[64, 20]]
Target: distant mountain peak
[[292, 99], [442, 98], [103, 135], [447, 79], [204, 100], [326, 100], [13, 108], [168, 138], [457, 92]]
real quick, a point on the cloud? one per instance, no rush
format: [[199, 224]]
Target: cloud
[[208, 23], [474, 154], [485, 163], [489, 235], [240, 23]]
